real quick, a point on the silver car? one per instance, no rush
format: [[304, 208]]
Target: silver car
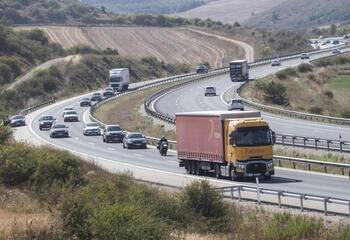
[[134, 140], [92, 129], [59, 130], [276, 62], [235, 104], [71, 116]]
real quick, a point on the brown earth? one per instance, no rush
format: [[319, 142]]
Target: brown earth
[[172, 45], [230, 11]]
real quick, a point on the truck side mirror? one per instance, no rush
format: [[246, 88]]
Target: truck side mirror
[[273, 134], [232, 140]]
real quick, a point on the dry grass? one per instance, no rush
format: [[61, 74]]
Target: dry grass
[[311, 91], [171, 45], [125, 112]]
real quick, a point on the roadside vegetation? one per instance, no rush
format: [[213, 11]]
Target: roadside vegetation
[[320, 88], [66, 198]]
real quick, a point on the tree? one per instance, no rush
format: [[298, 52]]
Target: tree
[[276, 93], [333, 29]]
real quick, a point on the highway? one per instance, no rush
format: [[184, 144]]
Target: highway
[[191, 98], [149, 165]]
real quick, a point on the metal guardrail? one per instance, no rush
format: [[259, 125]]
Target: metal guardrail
[[301, 198], [36, 107], [294, 114]]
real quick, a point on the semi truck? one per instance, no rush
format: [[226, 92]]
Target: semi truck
[[239, 70], [225, 143], [119, 79]]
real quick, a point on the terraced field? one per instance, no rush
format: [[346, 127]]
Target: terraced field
[[171, 45]]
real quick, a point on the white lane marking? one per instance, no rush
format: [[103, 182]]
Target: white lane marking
[[76, 138], [112, 149], [138, 155], [91, 143]]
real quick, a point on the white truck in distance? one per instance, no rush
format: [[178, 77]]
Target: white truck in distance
[[119, 79], [239, 70]]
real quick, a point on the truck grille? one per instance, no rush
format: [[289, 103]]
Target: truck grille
[[256, 168]]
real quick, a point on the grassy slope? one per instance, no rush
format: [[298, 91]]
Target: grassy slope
[[146, 6], [325, 87], [303, 14]]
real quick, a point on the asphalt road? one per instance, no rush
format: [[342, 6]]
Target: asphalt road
[[165, 169], [191, 98]]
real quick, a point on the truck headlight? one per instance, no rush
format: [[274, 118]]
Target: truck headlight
[[270, 165], [241, 165]]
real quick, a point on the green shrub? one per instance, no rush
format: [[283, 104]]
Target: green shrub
[[316, 110], [5, 134], [276, 93], [286, 226], [82, 49], [329, 94], [345, 114], [284, 74], [17, 163], [305, 67], [126, 222]]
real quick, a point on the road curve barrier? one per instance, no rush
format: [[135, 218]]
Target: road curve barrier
[[327, 205], [37, 106]]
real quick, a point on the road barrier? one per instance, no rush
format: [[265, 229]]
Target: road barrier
[[318, 203], [36, 107]]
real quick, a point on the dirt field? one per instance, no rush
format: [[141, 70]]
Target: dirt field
[[229, 11], [172, 45]]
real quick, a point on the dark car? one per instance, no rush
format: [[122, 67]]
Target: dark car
[[304, 56], [85, 102], [96, 97], [45, 122], [112, 133], [202, 69], [59, 130], [108, 92], [134, 140], [210, 91], [17, 120]]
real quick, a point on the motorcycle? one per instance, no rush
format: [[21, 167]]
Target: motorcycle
[[163, 148]]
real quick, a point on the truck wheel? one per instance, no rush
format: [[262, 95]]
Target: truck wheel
[[191, 167], [187, 166], [217, 171], [268, 177], [196, 168]]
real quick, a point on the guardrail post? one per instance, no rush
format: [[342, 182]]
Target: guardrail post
[[279, 194], [325, 201], [293, 141], [341, 146], [283, 139], [325, 168], [342, 171], [231, 192], [239, 193], [293, 164], [301, 197], [305, 139], [316, 141], [258, 190], [328, 142], [309, 166]]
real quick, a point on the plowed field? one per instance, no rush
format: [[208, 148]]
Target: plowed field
[[171, 45]]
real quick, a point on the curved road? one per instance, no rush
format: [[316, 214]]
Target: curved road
[[192, 98]]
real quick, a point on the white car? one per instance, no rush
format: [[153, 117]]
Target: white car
[[59, 130], [235, 104], [92, 129], [71, 116], [67, 109], [276, 62]]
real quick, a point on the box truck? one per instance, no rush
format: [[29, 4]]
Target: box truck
[[231, 144], [239, 70], [119, 79]]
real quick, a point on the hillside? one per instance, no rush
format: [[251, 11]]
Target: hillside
[[230, 11], [322, 88], [33, 11], [146, 6], [171, 45], [303, 14]]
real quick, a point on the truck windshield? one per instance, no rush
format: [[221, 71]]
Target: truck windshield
[[253, 136], [115, 79]]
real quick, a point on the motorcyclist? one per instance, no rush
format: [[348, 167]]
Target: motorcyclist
[[162, 141]]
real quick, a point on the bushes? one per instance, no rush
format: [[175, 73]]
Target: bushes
[[316, 110], [331, 61], [305, 67], [5, 134], [284, 74], [275, 93]]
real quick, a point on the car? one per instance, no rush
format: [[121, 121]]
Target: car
[[202, 69], [305, 56], [210, 91], [275, 62], [134, 140], [46, 121], [96, 97], [316, 42], [108, 92], [335, 42], [335, 51], [346, 36], [85, 102], [17, 120], [112, 133], [92, 129], [67, 109], [328, 41], [59, 130], [235, 104], [71, 116], [321, 37]]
